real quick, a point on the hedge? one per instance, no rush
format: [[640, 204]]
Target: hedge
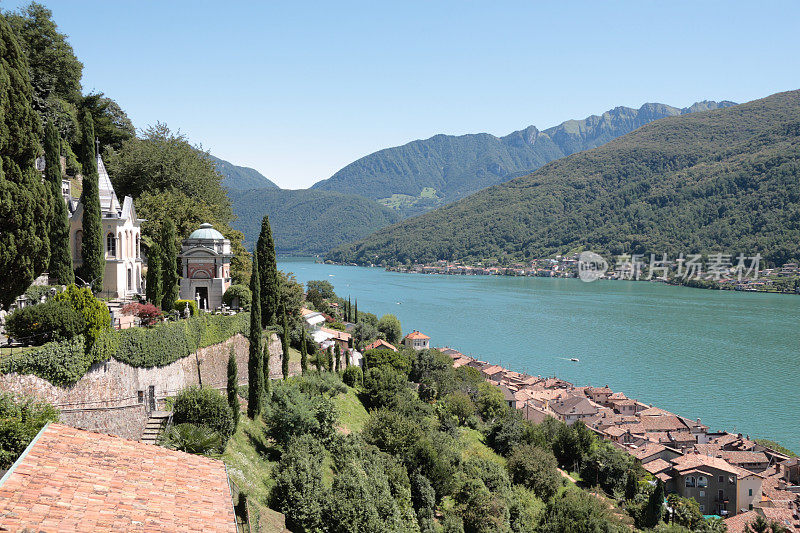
[[180, 305], [60, 363], [66, 362]]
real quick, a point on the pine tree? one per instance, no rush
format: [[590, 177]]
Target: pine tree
[[255, 372], [338, 353], [92, 252], [285, 345], [329, 362], [169, 266], [233, 387], [356, 312], [153, 293], [60, 255], [303, 352], [270, 282]]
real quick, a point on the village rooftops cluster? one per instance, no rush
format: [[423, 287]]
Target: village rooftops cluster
[[728, 474]]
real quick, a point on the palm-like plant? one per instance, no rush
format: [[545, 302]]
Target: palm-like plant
[[192, 438]]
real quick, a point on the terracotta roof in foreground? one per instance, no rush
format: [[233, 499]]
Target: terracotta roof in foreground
[[74, 480]]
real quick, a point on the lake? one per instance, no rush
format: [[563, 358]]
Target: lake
[[729, 358]]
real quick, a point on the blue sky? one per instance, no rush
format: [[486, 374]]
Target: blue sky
[[299, 89]]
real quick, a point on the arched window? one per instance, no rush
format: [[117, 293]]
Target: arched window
[[690, 481], [702, 481], [111, 245]]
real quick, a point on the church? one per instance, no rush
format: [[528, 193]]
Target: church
[[121, 237]]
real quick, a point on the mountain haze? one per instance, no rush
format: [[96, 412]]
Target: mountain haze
[[425, 174], [236, 177], [307, 222], [725, 180]]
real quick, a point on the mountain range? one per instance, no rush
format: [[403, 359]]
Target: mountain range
[[236, 177], [425, 174], [725, 180]]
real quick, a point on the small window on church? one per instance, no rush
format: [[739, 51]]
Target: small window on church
[[111, 245]]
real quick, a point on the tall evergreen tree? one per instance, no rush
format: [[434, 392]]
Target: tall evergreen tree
[[285, 344], [60, 255], [233, 387], [303, 352], [154, 292], [270, 281], [329, 362], [347, 310], [92, 251], [655, 506], [169, 266], [338, 356], [255, 372], [24, 199], [355, 319]]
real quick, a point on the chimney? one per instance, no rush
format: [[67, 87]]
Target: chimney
[[782, 484]]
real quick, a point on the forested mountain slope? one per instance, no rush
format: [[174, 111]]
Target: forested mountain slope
[[726, 180], [424, 174], [236, 177], [307, 222]]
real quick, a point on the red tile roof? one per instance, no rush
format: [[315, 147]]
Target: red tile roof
[[75, 480], [380, 343], [416, 335]]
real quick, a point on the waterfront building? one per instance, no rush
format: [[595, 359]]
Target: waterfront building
[[206, 267], [417, 340]]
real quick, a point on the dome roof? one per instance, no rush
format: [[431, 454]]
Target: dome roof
[[206, 231]]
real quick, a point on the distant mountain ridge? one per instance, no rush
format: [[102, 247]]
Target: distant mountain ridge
[[307, 222], [241, 178], [725, 181], [425, 174]]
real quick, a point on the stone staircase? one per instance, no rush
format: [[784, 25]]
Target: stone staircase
[[155, 425]]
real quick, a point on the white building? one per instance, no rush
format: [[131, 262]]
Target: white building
[[417, 340], [206, 267], [121, 238]]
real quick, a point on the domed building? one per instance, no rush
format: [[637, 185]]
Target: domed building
[[206, 267]]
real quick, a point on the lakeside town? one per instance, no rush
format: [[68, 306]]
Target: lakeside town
[[784, 279]]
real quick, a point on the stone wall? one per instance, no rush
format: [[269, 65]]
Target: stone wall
[[113, 397]]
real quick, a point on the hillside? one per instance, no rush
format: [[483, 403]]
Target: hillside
[[236, 177], [726, 180], [425, 174], [307, 222]]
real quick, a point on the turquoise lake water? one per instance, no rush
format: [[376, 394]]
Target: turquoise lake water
[[729, 358]]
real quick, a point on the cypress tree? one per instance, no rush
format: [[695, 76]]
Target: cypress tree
[[169, 266], [153, 293], [233, 387], [255, 372], [92, 252], [285, 345], [329, 362], [303, 352], [356, 313], [60, 255], [631, 486], [338, 357], [270, 282], [347, 310], [655, 506], [25, 202]]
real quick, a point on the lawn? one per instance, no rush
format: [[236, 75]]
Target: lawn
[[247, 457], [352, 414]]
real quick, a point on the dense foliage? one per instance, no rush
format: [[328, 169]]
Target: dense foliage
[[93, 263], [20, 421], [25, 201], [46, 322], [239, 294], [169, 266], [269, 296], [425, 174], [94, 312], [60, 266], [60, 363], [308, 222], [204, 406], [255, 360], [723, 180]]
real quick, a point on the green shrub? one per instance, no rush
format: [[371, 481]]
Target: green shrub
[[378, 357], [60, 363], [94, 312], [353, 376], [191, 438], [46, 322], [204, 406], [20, 421], [242, 292], [319, 383], [35, 292], [180, 305], [293, 413]]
